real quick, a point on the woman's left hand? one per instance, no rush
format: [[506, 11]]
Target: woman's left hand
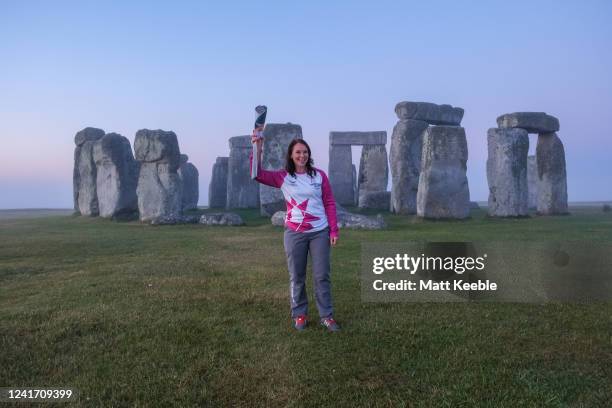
[[333, 240]]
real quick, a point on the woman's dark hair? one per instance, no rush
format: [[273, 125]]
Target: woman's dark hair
[[290, 165]]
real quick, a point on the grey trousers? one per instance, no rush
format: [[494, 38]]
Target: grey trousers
[[297, 247]]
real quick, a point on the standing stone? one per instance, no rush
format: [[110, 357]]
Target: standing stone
[[373, 174], [443, 185], [405, 158], [354, 182], [430, 113], [507, 172], [159, 185], [117, 175], [532, 182], [375, 200], [242, 191], [85, 173], [277, 137], [552, 177], [340, 174], [532, 122], [190, 178], [217, 190]]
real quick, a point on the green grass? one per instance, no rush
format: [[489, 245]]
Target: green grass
[[135, 315]]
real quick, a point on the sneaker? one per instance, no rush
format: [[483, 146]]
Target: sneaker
[[330, 324], [300, 322]]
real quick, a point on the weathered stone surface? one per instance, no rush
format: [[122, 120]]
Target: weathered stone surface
[[377, 200], [552, 176], [225, 218], [532, 122], [278, 218], [190, 177], [157, 146], [373, 171], [243, 142], [443, 185], [405, 159], [357, 221], [217, 190], [340, 174], [358, 138], [159, 185], [117, 175], [430, 113], [175, 220], [532, 182], [354, 182], [242, 191], [89, 134], [345, 220], [340, 208], [276, 141], [507, 172], [84, 176]]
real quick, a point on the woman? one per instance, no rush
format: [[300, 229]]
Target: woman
[[310, 227]]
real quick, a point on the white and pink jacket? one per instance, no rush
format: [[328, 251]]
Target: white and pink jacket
[[310, 202]]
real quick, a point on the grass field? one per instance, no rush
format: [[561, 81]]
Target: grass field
[[135, 315]]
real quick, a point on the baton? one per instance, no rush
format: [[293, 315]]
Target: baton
[[260, 121]]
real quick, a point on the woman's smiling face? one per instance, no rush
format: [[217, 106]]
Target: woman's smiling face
[[299, 155]]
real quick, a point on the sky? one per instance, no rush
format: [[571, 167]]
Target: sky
[[199, 68]]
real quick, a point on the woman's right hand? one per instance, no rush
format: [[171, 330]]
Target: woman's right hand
[[256, 137]]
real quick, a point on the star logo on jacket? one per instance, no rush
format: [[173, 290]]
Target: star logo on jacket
[[305, 224]]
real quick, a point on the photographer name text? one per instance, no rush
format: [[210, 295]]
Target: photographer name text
[[432, 285]]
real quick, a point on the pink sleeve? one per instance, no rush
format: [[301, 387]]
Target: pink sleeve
[[330, 205], [268, 177]]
